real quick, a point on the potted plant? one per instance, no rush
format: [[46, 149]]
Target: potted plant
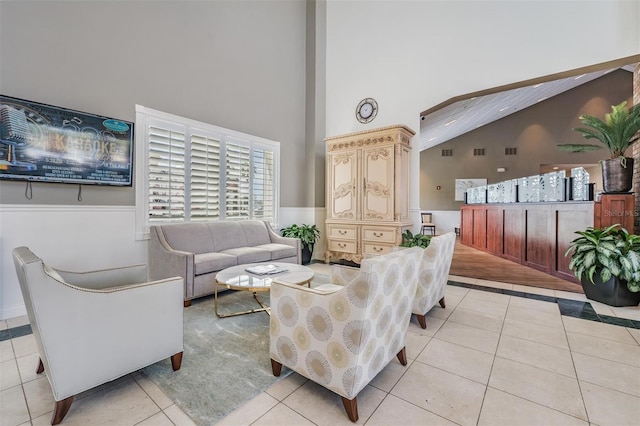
[[617, 132], [308, 235], [412, 240], [607, 263]]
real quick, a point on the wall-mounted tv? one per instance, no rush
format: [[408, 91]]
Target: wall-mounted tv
[[44, 143]]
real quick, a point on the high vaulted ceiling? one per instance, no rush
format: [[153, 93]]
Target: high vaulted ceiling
[[452, 119]]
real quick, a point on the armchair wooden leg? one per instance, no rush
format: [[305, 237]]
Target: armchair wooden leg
[[187, 303], [176, 361], [276, 367], [442, 302], [61, 410], [402, 356], [351, 406], [40, 367], [422, 321]]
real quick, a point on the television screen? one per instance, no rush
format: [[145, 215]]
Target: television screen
[[45, 143]]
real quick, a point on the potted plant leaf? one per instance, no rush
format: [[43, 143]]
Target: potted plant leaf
[[607, 263], [412, 240], [308, 235], [617, 133]]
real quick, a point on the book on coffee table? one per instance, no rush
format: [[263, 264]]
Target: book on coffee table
[[266, 269]]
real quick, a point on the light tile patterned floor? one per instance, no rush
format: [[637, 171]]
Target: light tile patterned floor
[[487, 359]]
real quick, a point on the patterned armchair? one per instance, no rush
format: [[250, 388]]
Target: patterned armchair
[[342, 335], [434, 274]]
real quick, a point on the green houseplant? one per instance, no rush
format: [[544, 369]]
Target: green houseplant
[[607, 263], [616, 133], [308, 235], [412, 240]]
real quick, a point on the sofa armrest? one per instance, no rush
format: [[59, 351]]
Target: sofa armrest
[[165, 262], [278, 239], [105, 278]]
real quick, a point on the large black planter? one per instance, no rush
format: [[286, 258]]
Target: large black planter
[[616, 178], [613, 292], [307, 251]]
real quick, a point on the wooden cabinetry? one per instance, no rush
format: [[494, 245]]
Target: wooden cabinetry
[[367, 192], [536, 235]]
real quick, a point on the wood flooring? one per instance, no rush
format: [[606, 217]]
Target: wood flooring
[[469, 262]]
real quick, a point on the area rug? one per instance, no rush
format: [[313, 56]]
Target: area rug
[[226, 360]]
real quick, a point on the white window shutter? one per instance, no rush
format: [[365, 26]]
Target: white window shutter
[[205, 178], [237, 181], [166, 174], [262, 190]]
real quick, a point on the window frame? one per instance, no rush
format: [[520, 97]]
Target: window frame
[[147, 116]]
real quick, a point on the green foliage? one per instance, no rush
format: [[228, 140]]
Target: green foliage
[[611, 251], [417, 240], [308, 234], [617, 132]]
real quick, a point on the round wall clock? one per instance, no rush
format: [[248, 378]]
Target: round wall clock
[[367, 110]]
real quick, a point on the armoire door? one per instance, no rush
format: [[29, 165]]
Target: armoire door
[[378, 183], [342, 178]]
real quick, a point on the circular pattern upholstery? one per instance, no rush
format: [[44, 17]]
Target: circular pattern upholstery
[[342, 340]]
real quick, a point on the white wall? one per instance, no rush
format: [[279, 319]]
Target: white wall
[[413, 55], [71, 238]]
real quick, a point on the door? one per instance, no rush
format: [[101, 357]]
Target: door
[[343, 172], [377, 183]]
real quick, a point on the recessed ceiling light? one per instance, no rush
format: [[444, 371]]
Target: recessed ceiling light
[[503, 109], [542, 99], [538, 85], [451, 122], [433, 138], [580, 76], [556, 168]]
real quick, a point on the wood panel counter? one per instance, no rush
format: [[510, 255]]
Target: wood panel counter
[[538, 234]]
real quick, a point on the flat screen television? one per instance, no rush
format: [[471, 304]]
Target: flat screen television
[[44, 143]]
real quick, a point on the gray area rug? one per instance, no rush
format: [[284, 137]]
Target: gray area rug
[[226, 360]]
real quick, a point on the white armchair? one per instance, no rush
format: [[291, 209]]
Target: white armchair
[[341, 336], [434, 273], [94, 327]]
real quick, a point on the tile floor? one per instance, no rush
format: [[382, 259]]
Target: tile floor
[[487, 359]]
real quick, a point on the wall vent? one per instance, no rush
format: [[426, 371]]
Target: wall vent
[[447, 152], [511, 151], [478, 151]]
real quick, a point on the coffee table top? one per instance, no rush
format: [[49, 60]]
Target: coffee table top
[[237, 277]]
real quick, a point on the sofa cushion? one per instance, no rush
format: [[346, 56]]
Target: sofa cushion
[[249, 254], [279, 251], [211, 262], [189, 237], [226, 235], [256, 232]]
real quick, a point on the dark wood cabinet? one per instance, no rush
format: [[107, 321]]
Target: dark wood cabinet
[[613, 209]]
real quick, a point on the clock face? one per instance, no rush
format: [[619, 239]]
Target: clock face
[[366, 110]]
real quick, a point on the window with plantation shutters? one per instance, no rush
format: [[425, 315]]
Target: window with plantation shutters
[[166, 173], [238, 191], [192, 171], [262, 192], [205, 178]]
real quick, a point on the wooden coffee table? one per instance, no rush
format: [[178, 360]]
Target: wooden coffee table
[[237, 278]]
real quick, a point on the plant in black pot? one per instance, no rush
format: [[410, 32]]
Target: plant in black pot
[[617, 133], [412, 240], [308, 235], [607, 263]]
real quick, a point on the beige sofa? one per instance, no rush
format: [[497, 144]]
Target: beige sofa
[[197, 251]]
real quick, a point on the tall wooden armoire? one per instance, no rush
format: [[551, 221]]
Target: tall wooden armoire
[[367, 192]]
